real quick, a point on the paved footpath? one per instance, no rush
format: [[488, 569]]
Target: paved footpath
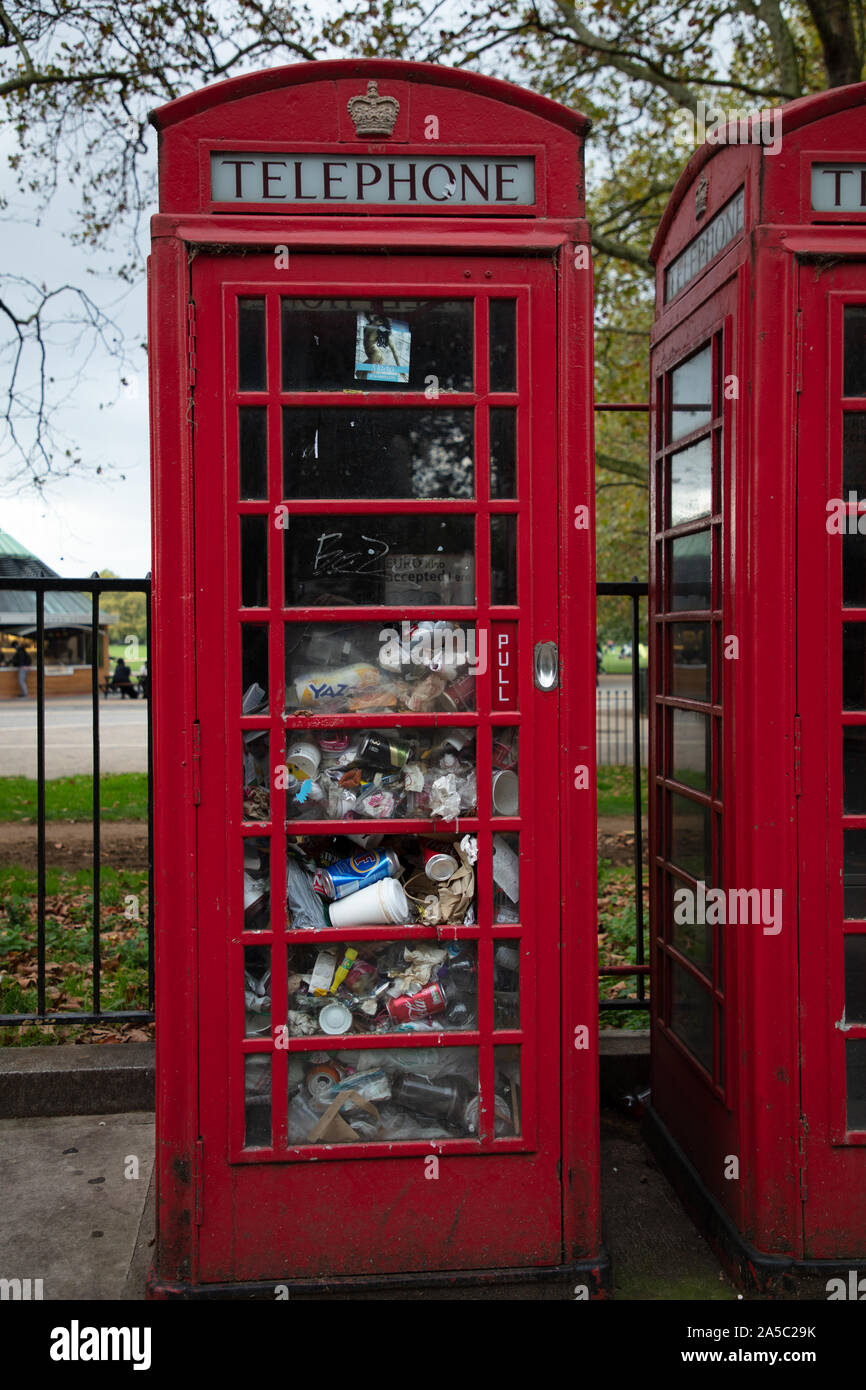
[[69, 736], [69, 1214]]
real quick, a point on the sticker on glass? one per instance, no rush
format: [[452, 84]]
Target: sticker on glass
[[382, 348]]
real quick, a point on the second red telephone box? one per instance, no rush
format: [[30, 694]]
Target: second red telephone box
[[373, 599], [758, 610]]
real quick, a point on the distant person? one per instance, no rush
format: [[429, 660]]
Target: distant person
[[599, 658], [21, 659], [122, 680]]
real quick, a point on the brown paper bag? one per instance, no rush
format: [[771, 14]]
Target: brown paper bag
[[333, 1129]]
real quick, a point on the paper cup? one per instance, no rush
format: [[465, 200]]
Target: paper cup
[[378, 904], [505, 800], [305, 756]]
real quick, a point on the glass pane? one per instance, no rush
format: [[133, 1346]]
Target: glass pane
[[379, 774], [506, 984], [692, 394], [257, 992], [503, 346], [397, 560], [365, 668], [362, 987], [694, 939], [506, 1087], [692, 1015], [855, 1082], [855, 979], [377, 452], [505, 789], [854, 453], [503, 559], [370, 880], [257, 892], [256, 774], [690, 752], [691, 482], [690, 660], [854, 665], [690, 584], [254, 562], [854, 873], [855, 350], [252, 361], [506, 878], [383, 1094], [503, 451], [253, 447], [254, 662], [854, 771], [691, 838], [853, 571], [257, 1098], [349, 344]]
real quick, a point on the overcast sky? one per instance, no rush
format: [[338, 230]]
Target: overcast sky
[[83, 524]]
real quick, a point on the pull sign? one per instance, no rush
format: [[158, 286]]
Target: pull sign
[[546, 665], [504, 658]]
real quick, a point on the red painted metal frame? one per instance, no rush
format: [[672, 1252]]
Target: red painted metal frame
[[793, 1196], [238, 1220], [833, 1155]]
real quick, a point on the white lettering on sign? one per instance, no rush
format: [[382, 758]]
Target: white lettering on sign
[[719, 232], [425, 181], [839, 187]]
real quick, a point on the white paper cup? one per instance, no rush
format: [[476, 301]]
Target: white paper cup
[[505, 799], [376, 904], [305, 756]]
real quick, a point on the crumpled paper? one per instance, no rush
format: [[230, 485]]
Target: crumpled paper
[[302, 1025], [413, 777], [420, 963], [445, 798], [469, 849]]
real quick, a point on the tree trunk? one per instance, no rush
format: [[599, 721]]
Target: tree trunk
[[833, 20]]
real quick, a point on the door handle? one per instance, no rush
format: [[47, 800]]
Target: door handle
[[546, 665]]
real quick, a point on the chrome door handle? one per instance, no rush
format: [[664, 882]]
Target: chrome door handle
[[546, 665]]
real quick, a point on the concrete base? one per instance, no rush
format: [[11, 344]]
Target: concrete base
[[84, 1080]]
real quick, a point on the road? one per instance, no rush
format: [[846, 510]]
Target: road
[[69, 736]]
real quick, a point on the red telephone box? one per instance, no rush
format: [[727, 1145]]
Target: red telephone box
[[758, 614], [370, 322]]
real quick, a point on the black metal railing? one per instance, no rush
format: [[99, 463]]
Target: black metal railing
[[621, 739], [626, 736], [95, 587]]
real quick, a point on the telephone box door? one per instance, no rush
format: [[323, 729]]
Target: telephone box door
[[831, 597], [377, 590]]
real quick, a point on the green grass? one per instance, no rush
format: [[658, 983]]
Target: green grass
[[616, 941], [616, 790], [614, 665], [123, 796], [69, 946]]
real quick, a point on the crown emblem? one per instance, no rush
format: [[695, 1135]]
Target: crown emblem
[[373, 115]]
